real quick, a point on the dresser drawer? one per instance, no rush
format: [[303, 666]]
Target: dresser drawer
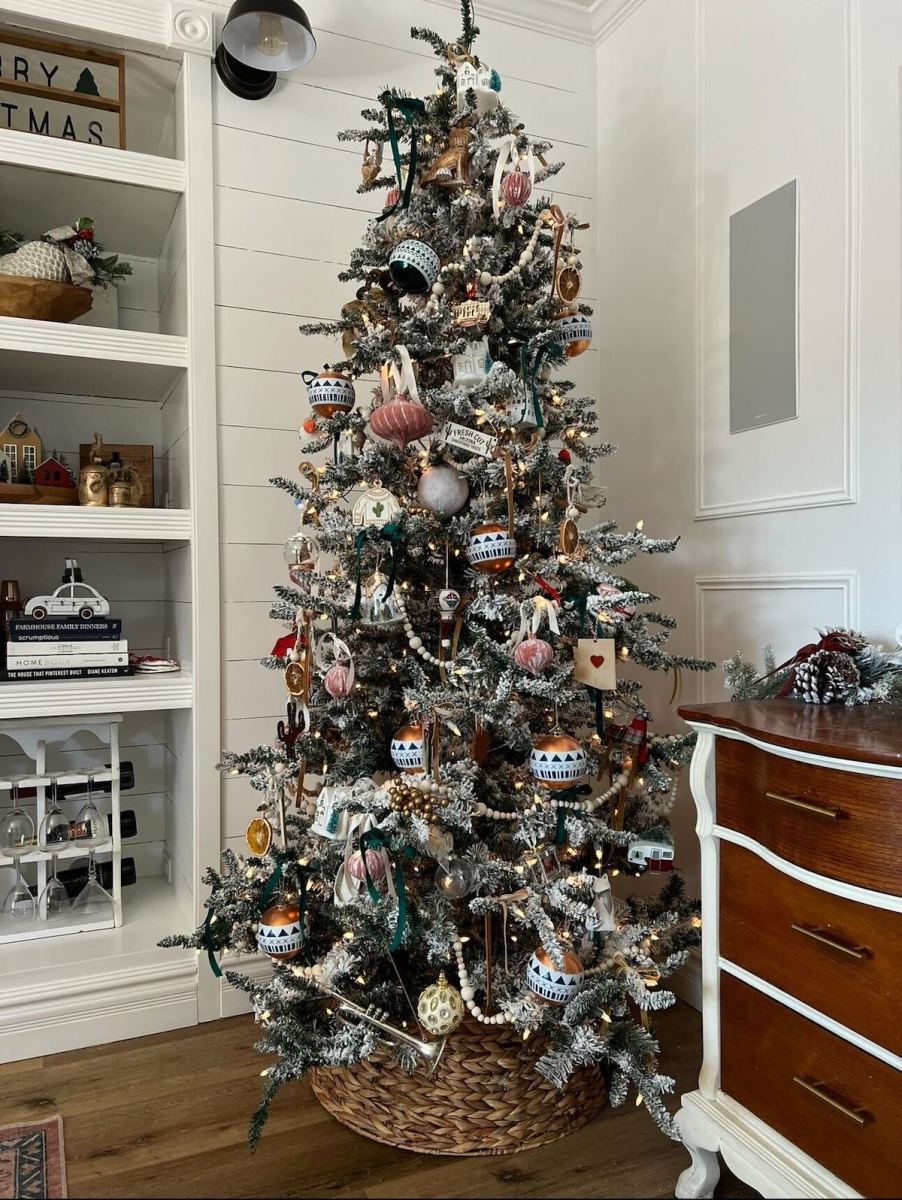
[[832, 1100], [839, 956], [835, 823]]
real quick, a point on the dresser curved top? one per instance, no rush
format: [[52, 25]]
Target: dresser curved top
[[865, 734]]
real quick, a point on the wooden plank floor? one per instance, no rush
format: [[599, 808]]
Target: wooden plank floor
[[167, 1116]]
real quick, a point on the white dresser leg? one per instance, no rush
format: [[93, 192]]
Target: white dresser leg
[[699, 1179]]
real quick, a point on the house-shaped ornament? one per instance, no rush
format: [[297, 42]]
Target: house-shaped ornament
[[485, 82], [53, 472], [21, 445]]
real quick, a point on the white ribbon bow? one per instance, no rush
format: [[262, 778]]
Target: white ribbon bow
[[403, 380], [542, 608], [340, 650]]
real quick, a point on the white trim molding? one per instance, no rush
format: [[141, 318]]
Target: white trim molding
[[163, 24], [844, 582], [847, 492], [589, 21]]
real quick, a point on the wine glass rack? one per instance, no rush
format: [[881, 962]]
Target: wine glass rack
[[34, 740]]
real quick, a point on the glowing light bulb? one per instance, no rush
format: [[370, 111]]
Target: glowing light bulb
[[271, 39]]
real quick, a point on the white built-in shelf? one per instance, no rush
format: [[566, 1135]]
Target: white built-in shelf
[[113, 524], [44, 356], [93, 162], [63, 850], [135, 693], [130, 219]]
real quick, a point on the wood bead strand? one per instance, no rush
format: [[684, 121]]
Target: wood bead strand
[[486, 278], [589, 806], [413, 641], [468, 995]]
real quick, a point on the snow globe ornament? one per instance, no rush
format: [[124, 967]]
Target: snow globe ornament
[[280, 933], [558, 761], [329, 392], [414, 265], [573, 333], [472, 365], [456, 880], [440, 1007], [301, 554], [408, 748], [556, 984], [491, 549], [442, 490]]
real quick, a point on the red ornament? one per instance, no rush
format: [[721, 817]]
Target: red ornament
[[338, 681], [516, 187], [565, 456], [401, 421], [309, 425], [533, 655], [472, 290], [85, 235], [285, 645]]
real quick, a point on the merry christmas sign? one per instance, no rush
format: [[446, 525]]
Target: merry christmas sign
[[62, 90]]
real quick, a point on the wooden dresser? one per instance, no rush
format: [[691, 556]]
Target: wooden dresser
[[800, 823]]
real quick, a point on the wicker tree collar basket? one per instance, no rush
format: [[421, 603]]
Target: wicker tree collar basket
[[485, 1097]]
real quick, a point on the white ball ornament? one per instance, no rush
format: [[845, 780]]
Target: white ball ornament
[[485, 278], [442, 490]]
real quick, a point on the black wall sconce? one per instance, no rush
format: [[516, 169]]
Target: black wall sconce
[[260, 39]]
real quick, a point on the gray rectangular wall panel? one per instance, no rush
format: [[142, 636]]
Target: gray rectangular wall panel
[[763, 311]]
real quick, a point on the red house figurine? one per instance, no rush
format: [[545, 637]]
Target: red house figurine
[[53, 473]]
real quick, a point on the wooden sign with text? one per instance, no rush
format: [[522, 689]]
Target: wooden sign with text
[[62, 90]]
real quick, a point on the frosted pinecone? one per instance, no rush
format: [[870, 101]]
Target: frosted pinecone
[[828, 677], [36, 260]]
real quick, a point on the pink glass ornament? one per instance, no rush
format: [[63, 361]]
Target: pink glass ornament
[[401, 421], [338, 681], [516, 188], [533, 655], [374, 862], [393, 197]]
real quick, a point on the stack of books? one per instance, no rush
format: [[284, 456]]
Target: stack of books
[[65, 649]]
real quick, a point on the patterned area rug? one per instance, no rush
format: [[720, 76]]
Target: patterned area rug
[[32, 1161]]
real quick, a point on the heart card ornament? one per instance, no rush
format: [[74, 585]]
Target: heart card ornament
[[595, 663]]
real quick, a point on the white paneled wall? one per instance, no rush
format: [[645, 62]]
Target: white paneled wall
[[705, 106], [287, 217]]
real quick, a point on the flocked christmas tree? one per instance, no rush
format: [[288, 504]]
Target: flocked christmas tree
[[461, 771]]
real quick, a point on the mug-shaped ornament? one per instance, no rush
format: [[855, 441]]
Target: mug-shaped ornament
[[329, 392], [472, 365], [414, 266]]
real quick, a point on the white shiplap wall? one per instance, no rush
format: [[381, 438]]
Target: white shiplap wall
[[287, 216]]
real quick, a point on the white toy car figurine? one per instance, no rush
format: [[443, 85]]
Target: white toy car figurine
[[69, 600]]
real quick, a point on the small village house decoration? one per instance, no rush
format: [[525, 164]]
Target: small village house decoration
[[62, 89], [53, 472], [20, 444]]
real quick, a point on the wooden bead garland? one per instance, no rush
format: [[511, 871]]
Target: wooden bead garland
[[469, 996], [413, 641], [486, 278]]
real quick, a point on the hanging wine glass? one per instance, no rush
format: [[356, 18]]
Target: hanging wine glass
[[54, 829], [91, 826], [54, 899], [93, 900], [16, 839]]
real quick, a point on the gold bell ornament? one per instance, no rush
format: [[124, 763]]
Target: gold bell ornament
[[440, 1007]]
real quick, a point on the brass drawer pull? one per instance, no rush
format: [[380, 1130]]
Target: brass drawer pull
[[822, 810], [817, 1089], [818, 935]]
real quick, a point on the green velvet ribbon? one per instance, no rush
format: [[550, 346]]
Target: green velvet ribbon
[[410, 108], [376, 839], [267, 894], [393, 533], [530, 374]]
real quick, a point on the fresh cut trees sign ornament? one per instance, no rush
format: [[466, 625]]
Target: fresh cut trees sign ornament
[[62, 90]]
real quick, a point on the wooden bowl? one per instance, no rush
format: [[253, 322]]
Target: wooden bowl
[[43, 300]]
